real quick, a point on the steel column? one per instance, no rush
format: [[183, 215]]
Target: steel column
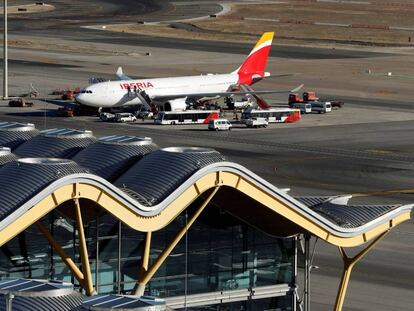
[[9, 301], [5, 55], [307, 272], [83, 251], [163, 256], [97, 254], [295, 275], [118, 279], [145, 257], [349, 263]]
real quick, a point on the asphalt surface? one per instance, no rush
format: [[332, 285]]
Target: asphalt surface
[[311, 160]]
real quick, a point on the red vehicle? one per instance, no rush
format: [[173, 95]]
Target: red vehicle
[[65, 112], [295, 98], [310, 97], [68, 95]]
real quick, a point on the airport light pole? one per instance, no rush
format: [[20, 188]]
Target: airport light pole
[[5, 71]]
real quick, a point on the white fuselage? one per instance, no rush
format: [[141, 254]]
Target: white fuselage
[[122, 93]]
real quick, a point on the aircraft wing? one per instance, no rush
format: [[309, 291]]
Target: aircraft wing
[[121, 76], [243, 91]]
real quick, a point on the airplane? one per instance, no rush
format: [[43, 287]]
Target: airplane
[[174, 93]]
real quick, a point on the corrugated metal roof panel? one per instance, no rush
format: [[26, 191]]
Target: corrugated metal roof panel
[[66, 133], [22, 179], [311, 201], [6, 156], [159, 173], [56, 143], [111, 156], [13, 134], [38, 295], [61, 303], [348, 216]]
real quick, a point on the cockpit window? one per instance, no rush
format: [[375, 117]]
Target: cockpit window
[[89, 91]]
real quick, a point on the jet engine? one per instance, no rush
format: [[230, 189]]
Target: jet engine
[[178, 104]]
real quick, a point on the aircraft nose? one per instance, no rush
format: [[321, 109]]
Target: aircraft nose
[[82, 98], [79, 98]]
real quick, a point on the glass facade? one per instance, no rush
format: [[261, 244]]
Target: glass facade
[[219, 253], [283, 303]]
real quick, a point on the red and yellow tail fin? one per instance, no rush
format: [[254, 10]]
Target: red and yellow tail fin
[[253, 68]]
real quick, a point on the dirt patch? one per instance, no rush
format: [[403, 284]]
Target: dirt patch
[[377, 23], [29, 8], [166, 30], [322, 23], [43, 45]]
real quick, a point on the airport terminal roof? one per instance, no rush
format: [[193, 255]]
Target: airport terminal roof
[[38, 295], [146, 187], [43, 295], [122, 302]]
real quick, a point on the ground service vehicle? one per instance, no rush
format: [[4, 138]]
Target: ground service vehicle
[[219, 125], [309, 97], [144, 114], [20, 102], [186, 117], [273, 115], [107, 117], [337, 103], [295, 99], [125, 117], [65, 112], [69, 94], [321, 107], [256, 122], [303, 107]]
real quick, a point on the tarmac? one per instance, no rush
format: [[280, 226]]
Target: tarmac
[[364, 147]]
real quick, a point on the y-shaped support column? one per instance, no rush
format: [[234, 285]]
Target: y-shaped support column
[[144, 261], [86, 268], [143, 280], [84, 277], [349, 263], [65, 258]]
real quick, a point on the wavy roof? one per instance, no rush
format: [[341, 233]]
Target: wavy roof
[[146, 188]]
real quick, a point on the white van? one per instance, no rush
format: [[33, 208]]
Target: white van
[[256, 122], [125, 117], [321, 107], [219, 125], [304, 107]]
